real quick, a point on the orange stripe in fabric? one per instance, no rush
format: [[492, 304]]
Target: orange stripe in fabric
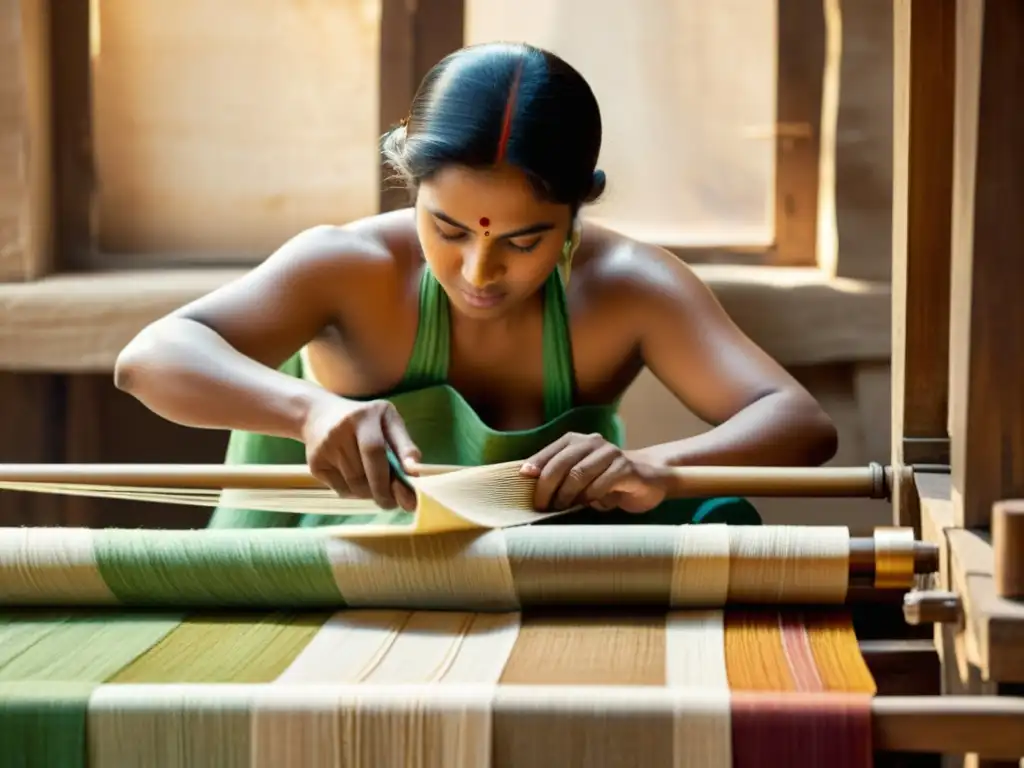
[[837, 655], [755, 659], [588, 650]]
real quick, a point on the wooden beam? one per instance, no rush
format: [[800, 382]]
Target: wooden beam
[[74, 171], [856, 218], [799, 84], [25, 164], [986, 420], [80, 322], [413, 38], [923, 69]]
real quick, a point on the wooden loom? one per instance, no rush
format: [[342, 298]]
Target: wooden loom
[[958, 444]]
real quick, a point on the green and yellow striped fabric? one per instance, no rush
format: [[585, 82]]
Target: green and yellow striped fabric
[[451, 689]]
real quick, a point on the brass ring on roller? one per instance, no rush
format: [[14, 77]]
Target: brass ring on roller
[[878, 484], [894, 558]]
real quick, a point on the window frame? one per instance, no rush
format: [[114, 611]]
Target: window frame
[[413, 37]]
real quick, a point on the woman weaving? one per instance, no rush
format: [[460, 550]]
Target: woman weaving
[[484, 324]]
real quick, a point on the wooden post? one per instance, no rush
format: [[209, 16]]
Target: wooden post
[[25, 164], [922, 199], [413, 38], [800, 72], [1008, 548], [986, 409]]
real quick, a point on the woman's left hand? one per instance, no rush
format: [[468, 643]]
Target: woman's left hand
[[588, 470]]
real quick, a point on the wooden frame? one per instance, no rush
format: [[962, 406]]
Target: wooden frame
[[413, 38], [958, 351]]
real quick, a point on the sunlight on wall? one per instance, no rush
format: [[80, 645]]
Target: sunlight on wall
[[687, 90]]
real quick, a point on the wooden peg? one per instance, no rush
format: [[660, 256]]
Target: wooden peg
[[1008, 548], [932, 607]]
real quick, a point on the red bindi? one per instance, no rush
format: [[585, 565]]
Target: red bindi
[[485, 222]]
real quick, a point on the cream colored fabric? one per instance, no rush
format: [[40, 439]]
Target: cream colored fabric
[[701, 571], [695, 671], [782, 564], [389, 647], [432, 571], [50, 565]]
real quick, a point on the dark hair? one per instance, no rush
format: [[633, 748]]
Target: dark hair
[[510, 102]]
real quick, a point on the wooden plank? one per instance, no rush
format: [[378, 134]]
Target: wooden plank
[[79, 323], [992, 635], [933, 500], [986, 313], [994, 626], [922, 199], [799, 90], [25, 157], [903, 667], [413, 38]]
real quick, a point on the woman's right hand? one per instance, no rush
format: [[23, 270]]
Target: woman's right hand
[[346, 448]]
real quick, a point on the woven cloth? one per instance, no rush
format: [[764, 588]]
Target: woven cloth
[[435, 689]]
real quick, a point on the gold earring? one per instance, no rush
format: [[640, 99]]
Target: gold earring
[[569, 248]]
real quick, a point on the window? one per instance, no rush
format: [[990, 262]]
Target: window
[[209, 133]]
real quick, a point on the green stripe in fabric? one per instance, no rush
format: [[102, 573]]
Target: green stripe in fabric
[[19, 631], [220, 568], [42, 725], [51, 664], [87, 647], [225, 649]]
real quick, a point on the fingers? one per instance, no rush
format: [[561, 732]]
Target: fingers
[[534, 465], [567, 476], [404, 495], [398, 436], [373, 452], [610, 480]]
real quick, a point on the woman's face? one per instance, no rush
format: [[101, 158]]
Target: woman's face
[[489, 240]]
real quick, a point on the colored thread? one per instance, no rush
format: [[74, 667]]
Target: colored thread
[[473, 569], [225, 649], [51, 666], [217, 568], [755, 659], [63, 676]]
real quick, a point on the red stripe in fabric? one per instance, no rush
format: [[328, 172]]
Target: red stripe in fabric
[[801, 729], [797, 648]]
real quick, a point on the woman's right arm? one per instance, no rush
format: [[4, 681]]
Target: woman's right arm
[[213, 363]]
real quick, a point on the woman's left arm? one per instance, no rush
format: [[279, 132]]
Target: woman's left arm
[[760, 415]]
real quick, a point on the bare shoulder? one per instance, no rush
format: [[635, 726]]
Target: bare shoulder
[[320, 264], [358, 250], [636, 276]]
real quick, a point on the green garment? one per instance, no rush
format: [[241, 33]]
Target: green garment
[[448, 431]]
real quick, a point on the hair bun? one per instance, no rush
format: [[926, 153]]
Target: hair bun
[[597, 185]]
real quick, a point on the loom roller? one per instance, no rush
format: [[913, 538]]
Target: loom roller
[[889, 563], [890, 559]]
